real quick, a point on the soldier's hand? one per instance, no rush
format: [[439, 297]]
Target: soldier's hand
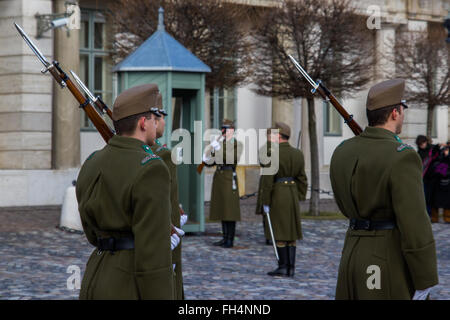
[[183, 219], [174, 241], [422, 294], [266, 209], [180, 232], [216, 145], [206, 158]]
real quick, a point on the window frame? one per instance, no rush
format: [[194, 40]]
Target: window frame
[[92, 53], [326, 120], [215, 106]]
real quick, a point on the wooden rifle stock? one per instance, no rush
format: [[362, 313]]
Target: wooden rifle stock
[[200, 167], [102, 106], [104, 130], [326, 95], [348, 119]]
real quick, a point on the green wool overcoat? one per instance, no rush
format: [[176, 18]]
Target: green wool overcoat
[[283, 197], [124, 190], [264, 154], [166, 155], [225, 200], [375, 176]]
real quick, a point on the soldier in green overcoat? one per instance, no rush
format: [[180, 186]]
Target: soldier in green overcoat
[[281, 194], [123, 194], [263, 154], [225, 190], [389, 250], [166, 155]]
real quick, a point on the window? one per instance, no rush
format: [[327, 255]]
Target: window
[[424, 4], [223, 106], [95, 64], [434, 123], [332, 120]]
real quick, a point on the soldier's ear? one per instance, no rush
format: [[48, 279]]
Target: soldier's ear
[[141, 123]]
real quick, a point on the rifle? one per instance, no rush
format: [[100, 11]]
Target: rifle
[[328, 96], [85, 103], [96, 100], [64, 81]]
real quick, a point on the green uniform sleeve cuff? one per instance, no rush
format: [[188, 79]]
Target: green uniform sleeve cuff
[[422, 265]]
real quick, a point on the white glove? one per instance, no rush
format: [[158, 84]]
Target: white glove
[[206, 158], [216, 145], [183, 219], [266, 209], [179, 231], [174, 241], [422, 294], [173, 267]]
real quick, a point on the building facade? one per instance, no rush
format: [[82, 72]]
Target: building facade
[[44, 136]]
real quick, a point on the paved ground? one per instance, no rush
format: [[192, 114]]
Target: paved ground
[[35, 257]]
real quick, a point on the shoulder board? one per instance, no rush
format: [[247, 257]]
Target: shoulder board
[[404, 146], [149, 158], [92, 154]]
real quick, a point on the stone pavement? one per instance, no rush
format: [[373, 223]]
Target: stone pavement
[[35, 257]]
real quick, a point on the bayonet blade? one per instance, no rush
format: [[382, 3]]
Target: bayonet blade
[[33, 47], [83, 86], [304, 73]]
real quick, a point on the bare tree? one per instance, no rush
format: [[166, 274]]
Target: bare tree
[[329, 40], [423, 58], [213, 30]]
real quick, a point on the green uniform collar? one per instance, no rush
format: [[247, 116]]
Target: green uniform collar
[[379, 133], [128, 143]]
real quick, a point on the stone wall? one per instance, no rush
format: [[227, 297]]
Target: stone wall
[[25, 94]]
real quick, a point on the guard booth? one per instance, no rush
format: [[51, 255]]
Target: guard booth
[[180, 76]]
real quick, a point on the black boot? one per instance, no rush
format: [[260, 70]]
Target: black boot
[[224, 231], [291, 254], [282, 269], [230, 234]]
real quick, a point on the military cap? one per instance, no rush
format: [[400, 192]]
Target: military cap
[[140, 99], [227, 124], [283, 128], [386, 94]]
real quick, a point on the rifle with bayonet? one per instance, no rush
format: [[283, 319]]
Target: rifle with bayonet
[[87, 104], [64, 81], [328, 96], [96, 100]]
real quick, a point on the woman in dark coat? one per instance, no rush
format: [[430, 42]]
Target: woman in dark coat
[[441, 195], [428, 153]]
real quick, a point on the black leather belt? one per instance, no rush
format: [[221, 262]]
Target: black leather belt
[[225, 167], [356, 224], [285, 179], [115, 244]]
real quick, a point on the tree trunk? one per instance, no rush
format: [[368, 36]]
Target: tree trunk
[[430, 113], [314, 148]]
